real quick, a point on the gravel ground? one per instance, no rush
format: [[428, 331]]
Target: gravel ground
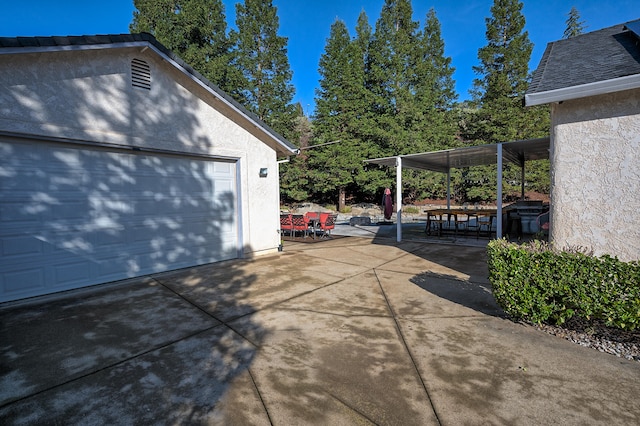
[[596, 335]]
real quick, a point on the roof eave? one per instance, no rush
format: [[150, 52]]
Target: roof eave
[[70, 47], [583, 90]]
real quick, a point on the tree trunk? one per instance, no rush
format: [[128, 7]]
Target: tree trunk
[[342, 199]]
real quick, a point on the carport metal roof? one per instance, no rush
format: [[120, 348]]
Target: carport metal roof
[[442, 161], [517, 152]]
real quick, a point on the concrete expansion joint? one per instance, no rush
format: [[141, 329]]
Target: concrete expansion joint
[[350, 407], [257, 389], [109, 366], [334, 314], [408, 350], [186, 299]]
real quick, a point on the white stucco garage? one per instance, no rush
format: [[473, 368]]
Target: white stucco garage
[[118, 160]]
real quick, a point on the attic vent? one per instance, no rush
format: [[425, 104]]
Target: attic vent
[[140, 74]]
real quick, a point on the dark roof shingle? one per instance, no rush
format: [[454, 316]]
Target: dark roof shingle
[[593, 57]]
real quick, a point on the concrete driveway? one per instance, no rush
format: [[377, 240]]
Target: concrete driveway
[[346, 331]]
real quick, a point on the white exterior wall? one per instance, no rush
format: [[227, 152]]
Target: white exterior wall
[[87, 95], [595, 179]]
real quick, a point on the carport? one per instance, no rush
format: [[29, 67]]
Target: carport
[[517, 152]]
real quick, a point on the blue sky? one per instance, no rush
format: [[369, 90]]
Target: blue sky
[[306, 23]]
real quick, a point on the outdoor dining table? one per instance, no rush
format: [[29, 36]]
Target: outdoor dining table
[[438, 216]]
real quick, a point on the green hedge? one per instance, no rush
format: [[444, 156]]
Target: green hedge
[[535, 283]]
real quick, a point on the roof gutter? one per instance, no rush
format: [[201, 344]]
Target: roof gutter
[[583, 90], [70, 47]]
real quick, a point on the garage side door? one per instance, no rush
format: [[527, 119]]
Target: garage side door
[[72, 217]]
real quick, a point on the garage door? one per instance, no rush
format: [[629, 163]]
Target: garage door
[[72, 217]]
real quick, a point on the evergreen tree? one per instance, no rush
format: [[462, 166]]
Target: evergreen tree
[[371, 178], [574, 25], [390, 76], [196, 30], [504, 61], [504, 77], [413, 91], [294, 175], [504, 71], [339, 106], [434, 68], [261, 56], [435, 97]]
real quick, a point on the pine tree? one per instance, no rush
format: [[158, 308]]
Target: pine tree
[[504, 61], [391, 64], [412, 84], [574, 25], [433, 88], [294, 174], [435, 96], [504, 77], [370, 178], [261, 56], [196, 30], [339, 103], [435, 70]]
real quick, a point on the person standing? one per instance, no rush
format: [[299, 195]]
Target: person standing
[[387, 204]]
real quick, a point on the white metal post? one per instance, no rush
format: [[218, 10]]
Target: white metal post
[[399, 198], [499, 200], [448, 188]]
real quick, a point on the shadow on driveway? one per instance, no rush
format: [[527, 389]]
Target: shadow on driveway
[[473, 295], [136, 352]]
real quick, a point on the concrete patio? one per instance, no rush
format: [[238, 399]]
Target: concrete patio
[[352, 330]]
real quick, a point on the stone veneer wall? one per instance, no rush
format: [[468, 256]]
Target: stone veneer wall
[[595, 178]]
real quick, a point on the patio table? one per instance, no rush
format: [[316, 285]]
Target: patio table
[[438, 216]]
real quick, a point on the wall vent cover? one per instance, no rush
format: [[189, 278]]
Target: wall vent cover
[[140, 74]]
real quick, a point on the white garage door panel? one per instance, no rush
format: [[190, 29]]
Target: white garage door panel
[[75, 217], [25, 280]]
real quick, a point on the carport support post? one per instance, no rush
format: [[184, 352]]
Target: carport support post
[[499, 195], [399, 199], [522, 171], [448, 187], [448, 182]]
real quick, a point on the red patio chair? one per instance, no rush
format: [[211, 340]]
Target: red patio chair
[[286, 224], [300, 224], [326, 224]]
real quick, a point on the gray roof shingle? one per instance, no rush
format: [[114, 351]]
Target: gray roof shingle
[[106, 39], [593, 57]]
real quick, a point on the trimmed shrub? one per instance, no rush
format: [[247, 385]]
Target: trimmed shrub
[[536, 283]]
